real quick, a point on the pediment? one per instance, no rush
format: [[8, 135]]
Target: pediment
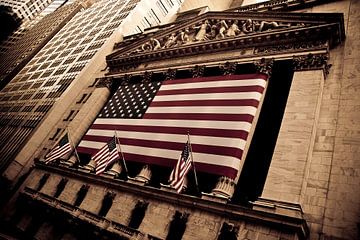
[[224, 31]]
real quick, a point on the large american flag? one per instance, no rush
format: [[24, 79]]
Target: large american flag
[[152, 121], [182, 167], [60, 150], [106, 155]]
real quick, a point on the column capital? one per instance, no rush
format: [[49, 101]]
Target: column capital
[[197, 71], [170, 74], [312, 62], [228, 68], [104, 82], [264, 66]]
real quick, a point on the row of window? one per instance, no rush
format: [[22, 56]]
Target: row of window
[[177, 225]]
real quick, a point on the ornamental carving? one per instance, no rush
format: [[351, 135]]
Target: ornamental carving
[[265, 34], [312, 61], [228, 68], [125, 79], [104, 82], [291, 46], [264, 66], [211, 29], [170, 74], [197, 71], [147, 77]]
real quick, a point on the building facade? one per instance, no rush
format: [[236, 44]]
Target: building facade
[[59, 63], [25, 43], [292, 174]]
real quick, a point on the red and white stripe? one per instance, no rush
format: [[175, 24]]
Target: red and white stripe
[[105, 157], [57, 152], [216, 111]]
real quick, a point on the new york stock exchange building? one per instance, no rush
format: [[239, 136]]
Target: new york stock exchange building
[[234, 124]]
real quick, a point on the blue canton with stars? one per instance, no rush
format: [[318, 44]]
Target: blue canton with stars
[[130, 101]]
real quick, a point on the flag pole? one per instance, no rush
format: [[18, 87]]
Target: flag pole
[[72, 144], [122, 154], [192, 161]]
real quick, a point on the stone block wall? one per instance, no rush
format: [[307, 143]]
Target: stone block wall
[[329, 195], [201, 223]]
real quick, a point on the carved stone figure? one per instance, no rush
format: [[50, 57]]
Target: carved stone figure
[[248, 26], [212, 34], [222, 26], [201, 34], [171, 41], [264, 25], [233, 29], [183, 36], [152, 44]]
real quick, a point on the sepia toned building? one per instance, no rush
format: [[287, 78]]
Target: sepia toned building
[[25, 43], [34, 90], [262, 98]]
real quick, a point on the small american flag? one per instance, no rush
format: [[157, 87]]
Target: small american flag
[[182, 167], [106, 155], [60, 150]]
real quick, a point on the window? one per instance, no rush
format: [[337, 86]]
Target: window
[[70, 116], [177, 226], [106, 204], [83, 98], [228, 232], [60, 187], [42, 181], [80, 196], [56, 134], [137, 214]]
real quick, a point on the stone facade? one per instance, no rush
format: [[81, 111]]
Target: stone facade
[[310, 191]]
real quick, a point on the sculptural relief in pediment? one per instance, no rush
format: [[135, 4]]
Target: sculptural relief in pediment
[[220, 31], [211, 29]]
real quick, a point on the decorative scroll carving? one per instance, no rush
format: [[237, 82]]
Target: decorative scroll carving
[[312, 61], [197, 71], [209, 29], [264, 66], [228, 68], [104, 82], [170, 74]]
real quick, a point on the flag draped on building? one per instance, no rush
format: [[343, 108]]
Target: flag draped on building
[[182, 167], [153, 118], [60, 150], [106, 155]]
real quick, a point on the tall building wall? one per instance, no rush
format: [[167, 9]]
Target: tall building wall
[[29, 42], [26, 9]]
